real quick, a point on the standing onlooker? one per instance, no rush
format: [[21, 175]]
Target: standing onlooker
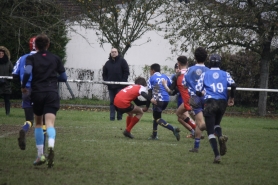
[[214, 83], [6, 68], [44, 67], [115, 69], [18, 73], [159, 93]]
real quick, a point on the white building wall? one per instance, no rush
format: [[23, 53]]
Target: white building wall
[[81, 54], [84, 52]]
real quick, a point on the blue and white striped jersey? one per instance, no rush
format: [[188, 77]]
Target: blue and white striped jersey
[[192, 75], [155, 84], [215, 82]]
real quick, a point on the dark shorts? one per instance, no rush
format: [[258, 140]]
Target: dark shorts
[[161, 106], [214, 107], [45, 102], [26, 99], [128, 109]]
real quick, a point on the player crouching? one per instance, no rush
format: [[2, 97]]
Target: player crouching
[[123, 103]]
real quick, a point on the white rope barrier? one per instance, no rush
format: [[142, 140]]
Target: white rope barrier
[[6, 77], [130, 83]]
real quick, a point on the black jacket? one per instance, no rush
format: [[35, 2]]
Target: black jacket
[[115, 70]]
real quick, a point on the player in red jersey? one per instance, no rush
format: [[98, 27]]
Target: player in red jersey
[[123, 103], [182, 111]]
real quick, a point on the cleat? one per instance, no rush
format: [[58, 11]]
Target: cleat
[[22, 140], [39, 161], [222, 143], [176, 133], [194, 150], [128, 134], [152, 137], [190, 136], [50, 158], [217, 159]]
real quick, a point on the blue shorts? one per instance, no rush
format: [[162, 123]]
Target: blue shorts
[[26, 99], [197, 103]]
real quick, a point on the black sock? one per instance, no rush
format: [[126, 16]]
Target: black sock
[[214, 147]]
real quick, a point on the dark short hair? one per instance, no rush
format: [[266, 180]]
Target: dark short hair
[[200, 54], [42, 42], [155, 67], [176, 66], [140, 81], [182, 60]]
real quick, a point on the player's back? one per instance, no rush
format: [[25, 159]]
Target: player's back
[[158, 90], [192, 75], [216, 84]]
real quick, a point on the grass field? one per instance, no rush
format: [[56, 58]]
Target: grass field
[[90, 149]]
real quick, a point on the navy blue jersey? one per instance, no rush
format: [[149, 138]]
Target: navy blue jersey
[[158, 90], [46, 66], [215, 83], [192, 76]]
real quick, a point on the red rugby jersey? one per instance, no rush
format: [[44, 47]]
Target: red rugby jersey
[[127, 95], [183, 90]]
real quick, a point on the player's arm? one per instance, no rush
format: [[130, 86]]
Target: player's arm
[[233, 89], [62, 77], [232, 95], [149, 99], [26, 76], [172, 87]]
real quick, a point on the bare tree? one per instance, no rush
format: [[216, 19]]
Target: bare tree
[[222, 24], [119, 23], [22, 19]]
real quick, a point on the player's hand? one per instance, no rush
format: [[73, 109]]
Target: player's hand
[[153, 101], [145, 109], [24, 90], [231, 102], [164, 82]]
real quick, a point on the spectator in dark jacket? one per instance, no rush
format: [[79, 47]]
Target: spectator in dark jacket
[[6, 68], [115, 69]]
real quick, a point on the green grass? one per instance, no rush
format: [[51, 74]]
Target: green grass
[[172, 105], [89, 149]]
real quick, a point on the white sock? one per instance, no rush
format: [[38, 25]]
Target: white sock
[[40, 150], [51, 142]]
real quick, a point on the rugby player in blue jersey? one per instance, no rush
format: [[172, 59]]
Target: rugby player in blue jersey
[[158, 92], [190, 80], [213, 85], [18, 72]]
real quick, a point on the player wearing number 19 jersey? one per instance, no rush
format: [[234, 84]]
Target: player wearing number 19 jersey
[[215, 83], [123, 99]]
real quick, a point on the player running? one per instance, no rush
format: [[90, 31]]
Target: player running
[[214, 84], [160, 94]]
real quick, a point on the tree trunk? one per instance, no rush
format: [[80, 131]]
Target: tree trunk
[[264, 74]]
